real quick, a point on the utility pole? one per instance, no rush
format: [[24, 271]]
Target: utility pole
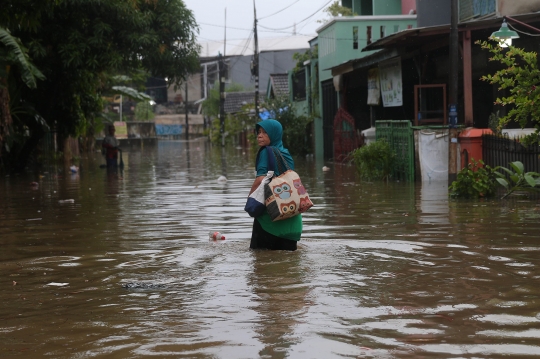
[[221, 64], [453, 92], [255, 63], [187, 112], [225, 36], [121, 100], [221, 70]]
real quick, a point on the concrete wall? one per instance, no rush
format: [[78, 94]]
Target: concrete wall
[[388, 7], [514, 7], [433, 12], [194, 83], [175, 125], [164, 125], [374, 7], [407, 6]]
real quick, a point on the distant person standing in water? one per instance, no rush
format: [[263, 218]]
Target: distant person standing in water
[[110, 145]]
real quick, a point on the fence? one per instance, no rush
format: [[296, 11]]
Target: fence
[[500, 151], [345, 136], [399, 134]]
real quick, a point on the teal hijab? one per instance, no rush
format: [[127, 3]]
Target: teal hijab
[[275, 132]]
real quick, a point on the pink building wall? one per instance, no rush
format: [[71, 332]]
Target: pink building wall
[[514, 7], [407, 6]]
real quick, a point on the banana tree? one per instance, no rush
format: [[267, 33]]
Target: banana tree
[[13, 55], [519, 179]]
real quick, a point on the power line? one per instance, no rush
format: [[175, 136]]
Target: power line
[[310, 16], [228, 27], [244, 29], [521, 32], [277, 12]]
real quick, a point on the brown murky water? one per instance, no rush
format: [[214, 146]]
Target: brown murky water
[[383, 270]]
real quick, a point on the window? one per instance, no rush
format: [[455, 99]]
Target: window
[[383, 31], [355, 37], [299, 85], [396, 28], [368, 33]]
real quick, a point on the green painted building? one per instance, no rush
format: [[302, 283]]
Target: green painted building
[[339, 41]]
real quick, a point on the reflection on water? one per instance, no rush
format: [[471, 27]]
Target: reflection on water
[[119, 265]]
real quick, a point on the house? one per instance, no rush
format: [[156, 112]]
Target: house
[[278, 85], [234, 101], [418, 59], [340, 41], [275, 56]]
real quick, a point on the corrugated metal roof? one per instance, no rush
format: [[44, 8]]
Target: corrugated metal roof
[[246, 46]]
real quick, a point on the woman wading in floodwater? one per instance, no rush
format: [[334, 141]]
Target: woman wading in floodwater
[[266, 234]]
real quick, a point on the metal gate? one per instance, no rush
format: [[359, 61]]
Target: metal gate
[[345, 137], [329, 110], [400, 136]]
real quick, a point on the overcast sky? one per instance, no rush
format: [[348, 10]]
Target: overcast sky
[[276, 17]]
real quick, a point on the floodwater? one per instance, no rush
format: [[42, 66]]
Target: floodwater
[[104, 265]]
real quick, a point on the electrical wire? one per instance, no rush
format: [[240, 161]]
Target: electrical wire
[[277, 12], [228, 27], [245, 29], [310, 16], [521, 32], [246, 45]]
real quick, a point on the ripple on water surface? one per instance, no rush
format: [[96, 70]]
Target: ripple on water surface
[[384, 270]]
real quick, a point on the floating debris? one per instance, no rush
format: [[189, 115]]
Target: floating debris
[[143, 286], [54, 284], [66, 201]]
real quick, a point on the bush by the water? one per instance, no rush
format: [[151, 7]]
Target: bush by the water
[[375, 161], [474, 181]]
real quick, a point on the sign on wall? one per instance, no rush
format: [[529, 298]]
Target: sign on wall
[[391, 84], [374, 89], [121, 129]]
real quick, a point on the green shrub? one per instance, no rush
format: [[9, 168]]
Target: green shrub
[[374, 161], [474, 181]]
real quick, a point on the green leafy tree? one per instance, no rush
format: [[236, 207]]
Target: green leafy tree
[[144, 111], [519, 78], [76, 44], [295, 128], [336, 9], [300, 58], [210, 108], [16, 70]]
